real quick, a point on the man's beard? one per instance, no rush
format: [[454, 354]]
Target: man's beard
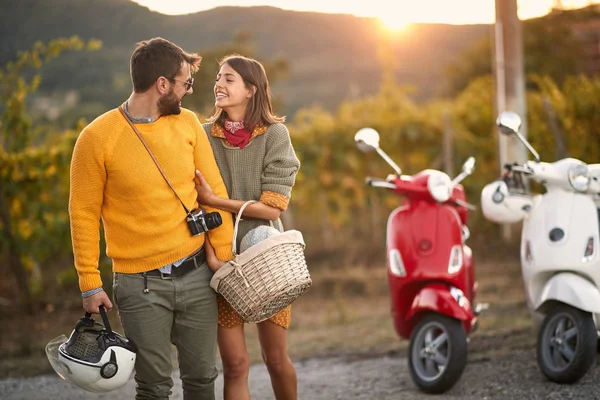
[[169, 104]]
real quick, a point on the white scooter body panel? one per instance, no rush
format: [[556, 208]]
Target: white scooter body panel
[[572, 289], [546, 260], [573, 213]]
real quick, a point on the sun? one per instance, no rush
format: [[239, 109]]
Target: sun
[[393, 23]]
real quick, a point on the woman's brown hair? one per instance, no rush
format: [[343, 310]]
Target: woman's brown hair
[[259, 110]]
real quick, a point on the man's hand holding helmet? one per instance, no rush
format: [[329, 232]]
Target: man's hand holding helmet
[[91, 303]]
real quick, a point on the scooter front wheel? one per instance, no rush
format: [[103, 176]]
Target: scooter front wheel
[[567, 341], [437, 353]]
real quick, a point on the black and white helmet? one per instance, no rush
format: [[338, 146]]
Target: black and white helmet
[[504, 205], [94, 357]]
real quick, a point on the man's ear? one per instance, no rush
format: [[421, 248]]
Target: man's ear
[[163, 85]]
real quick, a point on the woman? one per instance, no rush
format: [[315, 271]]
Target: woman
[[257, 161]]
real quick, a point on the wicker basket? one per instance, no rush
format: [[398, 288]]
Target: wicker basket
[[265, 278]]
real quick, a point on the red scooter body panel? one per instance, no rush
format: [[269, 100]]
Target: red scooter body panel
[[459, 194], [437, 297], [424, 233], [470, 272]]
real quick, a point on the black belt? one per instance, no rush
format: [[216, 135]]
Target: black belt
[[188, 265]]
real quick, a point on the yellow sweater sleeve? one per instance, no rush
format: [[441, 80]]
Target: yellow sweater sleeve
[[204, 158], [88, 177], [274, 199]]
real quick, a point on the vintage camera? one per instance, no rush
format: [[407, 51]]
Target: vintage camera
[[200, 222]]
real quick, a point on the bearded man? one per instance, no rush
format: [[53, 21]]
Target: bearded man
[[161, 282]]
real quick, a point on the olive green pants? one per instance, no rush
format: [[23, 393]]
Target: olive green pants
[[181, 311]]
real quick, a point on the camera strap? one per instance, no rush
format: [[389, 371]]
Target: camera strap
[[139, 135]]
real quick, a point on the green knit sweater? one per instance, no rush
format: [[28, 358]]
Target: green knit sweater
[[267, 164]]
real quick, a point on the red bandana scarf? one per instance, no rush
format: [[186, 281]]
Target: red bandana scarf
[[236, 134]]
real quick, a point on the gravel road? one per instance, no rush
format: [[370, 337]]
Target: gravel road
[[500, 367]]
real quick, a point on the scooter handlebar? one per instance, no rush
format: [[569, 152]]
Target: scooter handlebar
[[518, 168], [464, 204], [376, 182]]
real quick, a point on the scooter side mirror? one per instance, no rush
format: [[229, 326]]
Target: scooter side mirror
[[467, 169], [509, 123], [469, 166], [367, 139]]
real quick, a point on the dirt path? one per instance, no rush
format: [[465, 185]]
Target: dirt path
[[501, 355], [501, 366]]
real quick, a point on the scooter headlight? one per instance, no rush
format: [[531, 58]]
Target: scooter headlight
[[579, 177], [440, 186]]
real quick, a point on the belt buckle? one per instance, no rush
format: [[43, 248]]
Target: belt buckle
[[164, 276], [174, 274], [193, 264]]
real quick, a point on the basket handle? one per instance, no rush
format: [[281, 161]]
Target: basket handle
[[238, 218]]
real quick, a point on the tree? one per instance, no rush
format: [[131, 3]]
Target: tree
[[551, 48], [34, 162]]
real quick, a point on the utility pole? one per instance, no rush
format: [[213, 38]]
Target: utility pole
[[447, 146], [509, 71]]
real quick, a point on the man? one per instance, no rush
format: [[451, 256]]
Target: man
[[161, 280]]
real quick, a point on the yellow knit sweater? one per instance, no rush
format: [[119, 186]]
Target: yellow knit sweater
[[113, 178]]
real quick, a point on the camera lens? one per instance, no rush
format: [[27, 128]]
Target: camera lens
[[213, 220]]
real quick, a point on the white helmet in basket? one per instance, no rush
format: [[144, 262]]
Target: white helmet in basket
[[256, 235], [501, 206]]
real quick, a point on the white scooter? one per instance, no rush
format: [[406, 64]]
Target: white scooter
[[559, 253]]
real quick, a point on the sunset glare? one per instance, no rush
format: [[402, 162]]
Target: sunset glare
[[395, 16], [394, 23]]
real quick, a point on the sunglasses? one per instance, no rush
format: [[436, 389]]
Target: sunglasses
[[188, 84]]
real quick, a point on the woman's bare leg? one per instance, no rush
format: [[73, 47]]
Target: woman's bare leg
[[236, 363], [273, 343]]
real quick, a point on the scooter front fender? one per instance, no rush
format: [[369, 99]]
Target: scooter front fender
[[571, 289], [438, 298]]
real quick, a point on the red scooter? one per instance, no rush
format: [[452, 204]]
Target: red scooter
[[430, 269]]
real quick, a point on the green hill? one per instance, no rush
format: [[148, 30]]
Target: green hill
[[332, 56]]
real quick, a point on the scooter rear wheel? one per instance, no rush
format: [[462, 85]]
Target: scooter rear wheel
[[567, 342], [437, 353]]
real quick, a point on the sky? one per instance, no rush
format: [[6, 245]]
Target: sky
[[394, 13]]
